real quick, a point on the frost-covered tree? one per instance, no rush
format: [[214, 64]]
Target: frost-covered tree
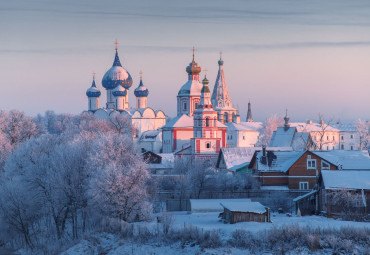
[[268, 127], [119, 179], [17, 127], [363, 129]]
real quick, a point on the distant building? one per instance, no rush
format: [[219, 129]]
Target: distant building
[[235, 212]]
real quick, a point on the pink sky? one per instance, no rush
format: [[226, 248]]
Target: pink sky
[[310, 57]]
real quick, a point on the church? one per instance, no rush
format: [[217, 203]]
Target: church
[[204, 123], [117, 82]]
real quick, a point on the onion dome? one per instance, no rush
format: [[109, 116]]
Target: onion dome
[[205, 83], [93, 91], [119, 91], [193, 67], [117, 75], [141, 91]]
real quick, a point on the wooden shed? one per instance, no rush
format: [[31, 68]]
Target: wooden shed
[[245, 211]]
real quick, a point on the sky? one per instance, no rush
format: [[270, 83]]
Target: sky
[[310, 57]]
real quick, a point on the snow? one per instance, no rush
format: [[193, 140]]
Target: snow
[[210, 221], [349, 160], [244, 126], [212, 205], [180, 121], [254, 207], [149, 136], [314, 127], [305, 195], [346, 179], [282, 161]]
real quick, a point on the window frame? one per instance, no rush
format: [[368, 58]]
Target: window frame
[[304, 184], [309, 166]]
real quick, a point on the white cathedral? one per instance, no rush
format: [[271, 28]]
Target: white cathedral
[[117, 81]]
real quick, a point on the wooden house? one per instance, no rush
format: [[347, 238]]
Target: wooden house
[[245, 211]]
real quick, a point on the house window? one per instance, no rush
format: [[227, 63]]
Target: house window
[[342, 146], [325, 165], [243, 137], [333, 138], [327, 138], [303, 185], [311, 163], [351, 136], [341, 138], [208, 145], [351, 148]]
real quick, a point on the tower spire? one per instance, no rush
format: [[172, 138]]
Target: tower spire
[[249, 114], [116, 62]]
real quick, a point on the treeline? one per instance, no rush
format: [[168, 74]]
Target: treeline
[[60, 174]]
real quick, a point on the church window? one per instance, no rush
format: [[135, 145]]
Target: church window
[[351, 148], [327, 137], [341, 138], [243, 137], [208, 145], [226, 117], [196, 105], [207, 122], [342, 146], [351, 136], [184, 106]]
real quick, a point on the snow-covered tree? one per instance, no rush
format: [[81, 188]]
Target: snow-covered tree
[[119, 179], [363, 129], [268, 128]]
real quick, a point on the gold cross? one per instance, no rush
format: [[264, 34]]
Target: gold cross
[[205, 72], [93, 73], [193, 52], [116, 43], [141, 75], [220, 54]]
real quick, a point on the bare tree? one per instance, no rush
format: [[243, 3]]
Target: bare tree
[[268, 128], [347, 203]]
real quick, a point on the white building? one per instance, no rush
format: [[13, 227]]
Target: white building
[[117, 82]]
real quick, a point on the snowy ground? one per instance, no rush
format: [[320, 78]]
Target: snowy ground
[[112, 245], [209, 221]]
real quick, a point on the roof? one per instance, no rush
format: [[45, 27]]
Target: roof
[[305, 195], [180, 121], [191, 87], [244, 126], [150, 136], [234, 157], [279, 161], [167, 161], [341, 179], [314, 127], [348, 160], [212, 205], [345, 127], [255, 207], [289, 137]]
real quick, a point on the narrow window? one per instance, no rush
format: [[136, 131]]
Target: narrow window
[[196, 105], [184, 106], [207, 122], [342, 146], [351, 136], [341, 138], [351, 148], [208, 145]]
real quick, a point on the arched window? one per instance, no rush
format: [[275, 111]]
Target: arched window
[[196, 106], [208, 145], [207, 122], [226, 117]]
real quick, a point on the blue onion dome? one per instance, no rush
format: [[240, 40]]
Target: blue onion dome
[[141, 91], [117, 75], [93, 91], [119, 91]]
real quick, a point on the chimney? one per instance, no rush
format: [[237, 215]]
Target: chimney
[[236, 119], [309, 122], [264, 158]]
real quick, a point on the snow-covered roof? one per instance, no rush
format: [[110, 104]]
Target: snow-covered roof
[[212, 205], [305, 195], [314, 127], [282, 137], [192, 88], [254, 207], [180, 121], [234, 157], [244, 126], [279, 161], [341, 179], [348, 160], [289, 137], [150, 136], [345, 127]]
